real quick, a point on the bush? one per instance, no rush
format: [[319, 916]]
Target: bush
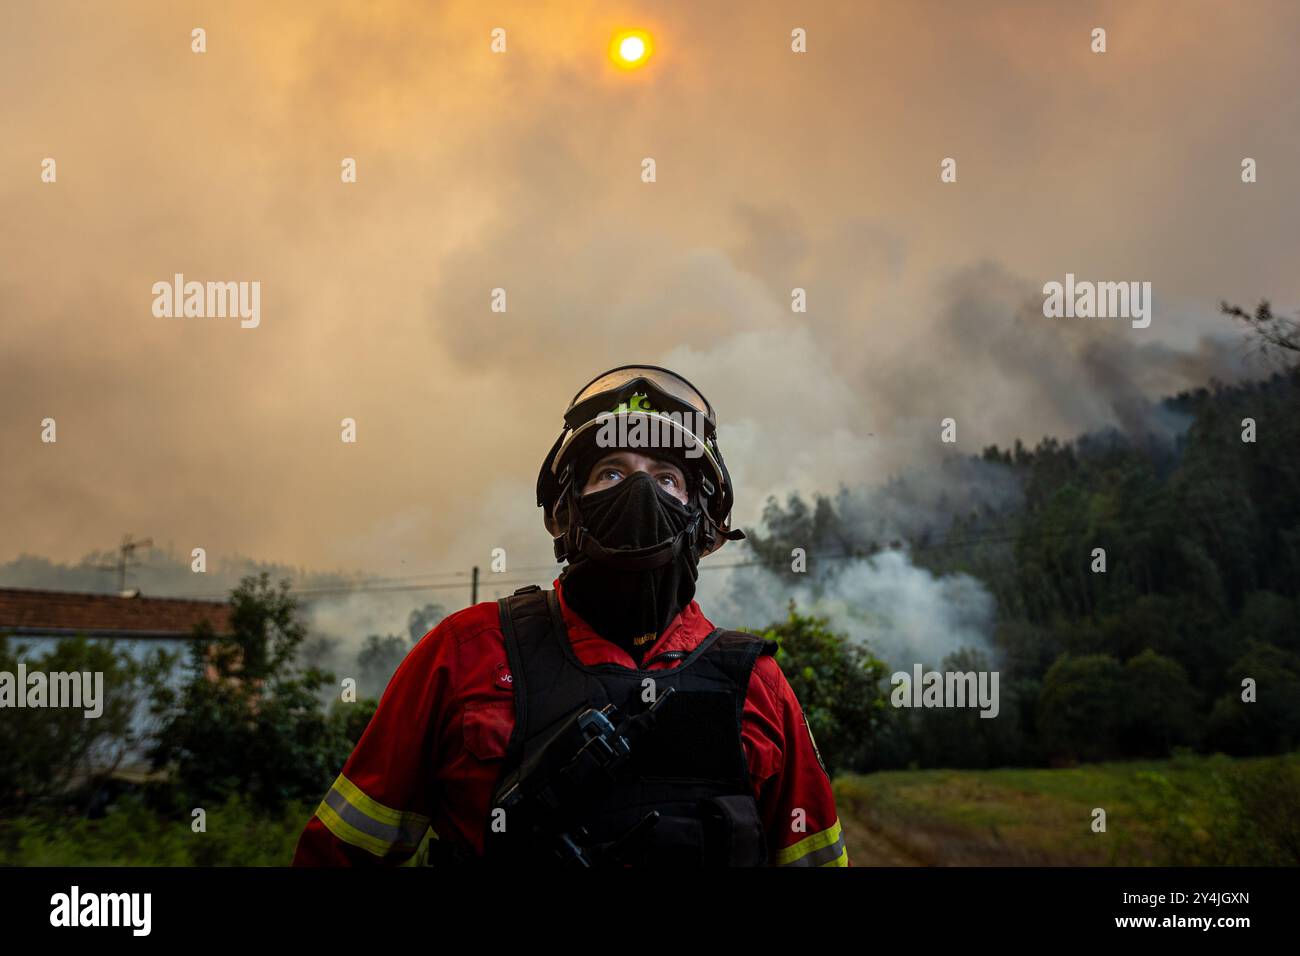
[[1159, 709], [1080, 705], [959, 736], [1242, 814], [247, 721], [45, 751], [1269, 724], [837, 683], [133, 833]]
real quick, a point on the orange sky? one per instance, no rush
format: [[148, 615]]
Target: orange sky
[[522, 171]]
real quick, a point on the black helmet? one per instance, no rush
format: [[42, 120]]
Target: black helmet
[[655, 398]]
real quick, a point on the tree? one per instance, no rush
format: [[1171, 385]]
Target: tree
[[1160, 711], [1079, 709], [1276, 335], [837, 682], [44, 751], [1269, 724], [246, 719], [422, 620], [378, 660], [959, 736]]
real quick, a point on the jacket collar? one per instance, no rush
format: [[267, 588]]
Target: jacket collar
[[683, 633]]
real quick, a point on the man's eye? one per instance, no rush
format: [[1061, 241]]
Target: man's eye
[[610, 471], [672, 478]]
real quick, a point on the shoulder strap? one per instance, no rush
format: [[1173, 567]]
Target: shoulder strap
[[547, 687], [525, 625], [742, 639]]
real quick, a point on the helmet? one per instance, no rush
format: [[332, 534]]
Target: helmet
[[619, 400]]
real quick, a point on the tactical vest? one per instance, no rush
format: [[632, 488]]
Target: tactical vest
[[689, 767]]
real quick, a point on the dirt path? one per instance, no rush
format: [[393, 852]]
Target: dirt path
[[868, 847]]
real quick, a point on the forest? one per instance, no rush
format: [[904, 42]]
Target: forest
[[1138, 582]]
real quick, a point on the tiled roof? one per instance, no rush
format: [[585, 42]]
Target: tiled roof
[[25, 611]]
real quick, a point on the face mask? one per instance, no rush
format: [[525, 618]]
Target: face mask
[[620, 604]]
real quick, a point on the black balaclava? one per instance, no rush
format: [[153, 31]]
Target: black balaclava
[[621, 605]]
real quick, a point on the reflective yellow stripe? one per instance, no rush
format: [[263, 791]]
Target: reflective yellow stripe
[[348, 833], [376, 810], [361, 821], [421, 855], [841, 860], [808, 844]]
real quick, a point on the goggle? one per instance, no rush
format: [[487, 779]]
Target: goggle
[[617, 386]]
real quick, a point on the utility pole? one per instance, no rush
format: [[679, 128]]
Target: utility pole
[[473, 591]]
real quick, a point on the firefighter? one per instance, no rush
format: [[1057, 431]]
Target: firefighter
[[604, 721]]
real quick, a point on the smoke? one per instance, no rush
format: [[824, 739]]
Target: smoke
[[160, 571], [924, 301], [1014, 373], [902, 613], [342, 627], [923, 503], [377, 293]]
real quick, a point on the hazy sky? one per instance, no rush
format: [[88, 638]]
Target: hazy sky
[[479, 170]]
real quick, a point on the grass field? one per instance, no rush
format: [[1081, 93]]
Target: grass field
[[131, 835], [1187, 810]]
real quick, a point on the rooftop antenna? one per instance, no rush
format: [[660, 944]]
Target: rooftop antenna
[[125, 558]]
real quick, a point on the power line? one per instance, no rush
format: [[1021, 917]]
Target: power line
[[366, 588], [898, 545]]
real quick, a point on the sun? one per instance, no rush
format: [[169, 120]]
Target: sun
[[630, 49]]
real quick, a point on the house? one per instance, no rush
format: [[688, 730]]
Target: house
[[30, 613], [37, 620]]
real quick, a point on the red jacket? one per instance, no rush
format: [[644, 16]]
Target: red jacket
[[432, 752]]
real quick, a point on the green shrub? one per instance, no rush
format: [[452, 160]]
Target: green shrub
[[134, 834], [247, 721], [1237, 814], [44, 751], [837, 683]]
